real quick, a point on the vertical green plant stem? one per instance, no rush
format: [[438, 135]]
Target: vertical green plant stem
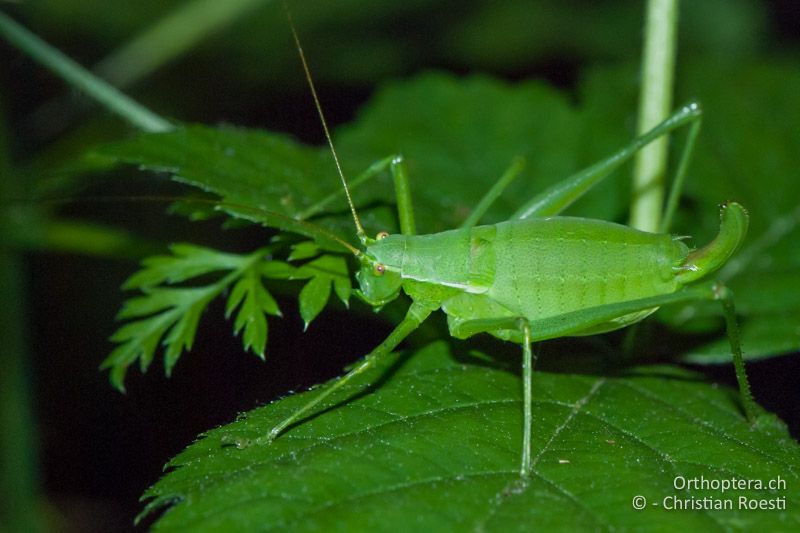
[[19, 490], [655, 102], [19, 475], [105, 94]]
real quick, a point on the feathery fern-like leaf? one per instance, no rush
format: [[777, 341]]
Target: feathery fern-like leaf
[[171, 315]]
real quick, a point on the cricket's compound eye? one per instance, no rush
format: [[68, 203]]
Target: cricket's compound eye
[[379, 269], [381, 235]]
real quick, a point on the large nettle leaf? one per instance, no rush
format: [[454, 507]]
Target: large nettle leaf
[[438, 441], [437, 447]]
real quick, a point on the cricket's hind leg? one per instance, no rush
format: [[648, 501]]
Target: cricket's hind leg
[[579, 322], [559, 196]]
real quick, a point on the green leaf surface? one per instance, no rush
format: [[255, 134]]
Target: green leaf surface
[[766, 335], [138, 340], [437, 446], [186, 261], [313, 297], [303, 250], [260, 176], [181, 336], [178, 311], [256, 303], [277, 270], [324, 272], [750, 155], [462, 135]]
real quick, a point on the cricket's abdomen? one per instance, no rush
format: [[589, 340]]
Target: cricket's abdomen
[[547, 267], [543, 267]]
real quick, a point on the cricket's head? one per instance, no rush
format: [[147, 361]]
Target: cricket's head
[[379, 276]]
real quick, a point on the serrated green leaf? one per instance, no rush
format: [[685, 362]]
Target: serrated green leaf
[[255, 333], [158, 299], [313, 297], [139, 341], [264, 301], [437, 447], [235, 298], [742, 163], [187, 261], [336, 268], [181, 336], [303, 250], [261, 176], [323, 271], [173, 313], [343, 289], [326, 265], [277, 270], [256, 302], [442, 464], [141, 337]]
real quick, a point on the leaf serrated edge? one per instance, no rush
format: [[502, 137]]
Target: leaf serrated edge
[[177, 323], [313, 298]]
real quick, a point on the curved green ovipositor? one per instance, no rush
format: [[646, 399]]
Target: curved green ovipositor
[[708, 259]]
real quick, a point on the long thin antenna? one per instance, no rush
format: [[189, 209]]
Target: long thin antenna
[[362, 235]]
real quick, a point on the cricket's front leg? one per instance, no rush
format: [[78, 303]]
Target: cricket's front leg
[[374, 170], [402, 192], [397, 166], [415, 315], [511, 173]]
